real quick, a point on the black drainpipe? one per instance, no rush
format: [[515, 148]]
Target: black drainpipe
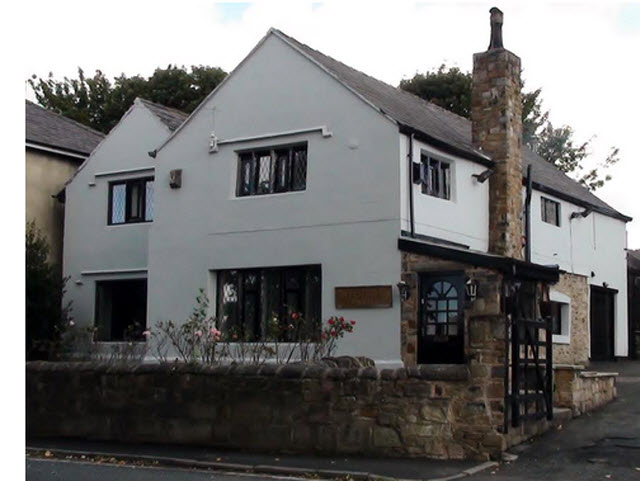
[[527, 217], [410, 177]]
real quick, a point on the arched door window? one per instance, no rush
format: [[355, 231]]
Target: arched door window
[[441, 321]]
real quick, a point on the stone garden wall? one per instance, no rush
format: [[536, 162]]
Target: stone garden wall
[[582, 391], [435, 411]]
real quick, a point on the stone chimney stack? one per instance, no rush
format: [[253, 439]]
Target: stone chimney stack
[[496, 114]]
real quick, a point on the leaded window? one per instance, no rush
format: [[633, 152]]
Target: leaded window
[[276, 303], [436, 177], [268, 171], [550, 211], [131, 201]]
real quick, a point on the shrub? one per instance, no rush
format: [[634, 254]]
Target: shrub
[[46, 318], [198, 339]]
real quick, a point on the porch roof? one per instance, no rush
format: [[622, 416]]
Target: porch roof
[[507, 265]]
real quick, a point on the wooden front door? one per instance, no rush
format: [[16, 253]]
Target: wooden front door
[[602, 323], [441, 327]]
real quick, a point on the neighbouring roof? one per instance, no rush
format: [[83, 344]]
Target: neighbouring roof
[[448, 130], [48, 129], [633, 259], [172, 118]]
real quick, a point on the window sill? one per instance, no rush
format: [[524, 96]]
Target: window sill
[[144, 222], [262, 196], [561, 339]]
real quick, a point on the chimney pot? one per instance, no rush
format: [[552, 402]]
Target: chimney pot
[[497, 18]]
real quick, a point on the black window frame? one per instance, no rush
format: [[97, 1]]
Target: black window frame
[[308, 297], [436, 176], [544, 212], [141, 182], [284, 162]]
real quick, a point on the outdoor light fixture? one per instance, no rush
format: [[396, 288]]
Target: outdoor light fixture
[[584, 213], [471, 289], [213, 142], [481, 178], [405, 292]]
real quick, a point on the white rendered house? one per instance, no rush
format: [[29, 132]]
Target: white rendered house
[[300, 178]]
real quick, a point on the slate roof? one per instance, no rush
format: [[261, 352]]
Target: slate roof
[[446, 129], [172, 118], [49, 129]]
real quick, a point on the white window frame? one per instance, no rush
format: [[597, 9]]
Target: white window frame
[[565, 317]]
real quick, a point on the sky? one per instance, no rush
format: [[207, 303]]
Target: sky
[[584, 56]]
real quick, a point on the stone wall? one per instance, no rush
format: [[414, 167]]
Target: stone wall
[[577, 352], [582, 391], [484, 336], [431, 411]]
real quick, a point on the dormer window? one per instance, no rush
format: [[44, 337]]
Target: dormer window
[[436, 178], [272, 170]]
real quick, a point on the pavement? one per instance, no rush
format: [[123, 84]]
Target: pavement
[[602, 445], [357, 468]]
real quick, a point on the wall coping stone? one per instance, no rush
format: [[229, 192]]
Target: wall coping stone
[[592, 374], [573, 367], [433, 372]]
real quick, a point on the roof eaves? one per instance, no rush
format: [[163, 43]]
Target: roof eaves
[[447, 147], [574, 200], [76, 154]]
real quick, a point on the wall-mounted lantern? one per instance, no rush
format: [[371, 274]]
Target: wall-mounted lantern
[[471, 289], [404, 290]]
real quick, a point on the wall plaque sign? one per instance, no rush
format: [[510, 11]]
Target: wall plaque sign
[[363, 297]]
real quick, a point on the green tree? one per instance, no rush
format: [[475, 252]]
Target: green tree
[[450, 88], [99, 103], [46, 319]]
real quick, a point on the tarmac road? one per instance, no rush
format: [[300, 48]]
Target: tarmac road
[[60, 470], [604, 445]]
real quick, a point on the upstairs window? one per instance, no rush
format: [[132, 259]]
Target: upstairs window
[[550, 211], [274, 170], [436, 177], [131, 201]]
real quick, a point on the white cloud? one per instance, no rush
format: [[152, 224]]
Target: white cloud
[[583, 55]]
